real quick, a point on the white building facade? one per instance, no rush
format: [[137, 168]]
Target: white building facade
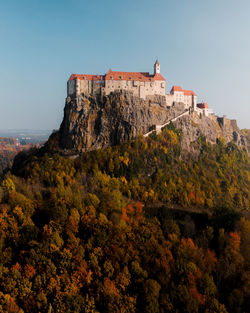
[[203, 109], [188, 97], [141, 84]]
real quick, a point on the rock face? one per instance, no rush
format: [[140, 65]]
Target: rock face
[[213, 128], [91, 123]]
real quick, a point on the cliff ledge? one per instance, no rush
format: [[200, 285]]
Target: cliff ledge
[[91, 123]]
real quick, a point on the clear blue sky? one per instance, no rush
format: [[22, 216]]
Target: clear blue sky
[[203, 45]]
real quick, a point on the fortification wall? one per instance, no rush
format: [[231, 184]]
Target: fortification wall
[[71, 87], [138, 88]]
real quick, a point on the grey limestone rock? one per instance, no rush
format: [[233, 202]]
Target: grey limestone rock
[[91, 122]]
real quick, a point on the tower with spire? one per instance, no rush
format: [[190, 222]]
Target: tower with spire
[[157, 67]]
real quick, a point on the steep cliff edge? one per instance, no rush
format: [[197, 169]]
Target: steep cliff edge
[[91, 123]]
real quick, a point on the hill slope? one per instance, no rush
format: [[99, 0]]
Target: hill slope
[[137, 227]]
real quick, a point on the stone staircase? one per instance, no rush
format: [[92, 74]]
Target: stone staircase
[[158, 128]]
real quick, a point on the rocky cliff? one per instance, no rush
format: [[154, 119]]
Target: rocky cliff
[[91, 123]]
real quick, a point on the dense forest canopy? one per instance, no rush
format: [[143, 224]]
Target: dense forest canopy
[[7, 153], [246, 133], [141, 227]]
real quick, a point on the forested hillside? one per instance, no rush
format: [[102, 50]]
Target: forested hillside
[[246, 133], [9, 148], [8, 151], [133, 228]]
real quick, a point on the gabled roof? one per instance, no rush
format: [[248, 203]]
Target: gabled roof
[[86, 77], [189, 93], [202, 105], [176, 88], [112, 75], [138, 76], [186, 92]]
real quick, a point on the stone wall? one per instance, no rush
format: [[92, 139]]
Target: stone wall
[[140, 89]]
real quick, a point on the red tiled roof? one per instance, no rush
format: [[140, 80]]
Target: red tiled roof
[[138, 76], [111, 75], [189, 93], [176, 88], [202, 105], [186, 92], [86, 76]]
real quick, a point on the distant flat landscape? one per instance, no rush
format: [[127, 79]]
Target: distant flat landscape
[[13, 141], [28, 135]]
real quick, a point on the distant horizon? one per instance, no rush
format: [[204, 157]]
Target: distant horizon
[[13, 133], [199, 46], [25, 130]]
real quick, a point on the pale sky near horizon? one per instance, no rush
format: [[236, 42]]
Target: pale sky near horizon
[[201, 45]]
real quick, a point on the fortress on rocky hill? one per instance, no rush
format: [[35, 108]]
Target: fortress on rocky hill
[[106, 110], [142, 84]]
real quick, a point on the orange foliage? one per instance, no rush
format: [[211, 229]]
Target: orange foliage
[[197, 200], [12, 307], [89, 277], [16, 267], [72, 225], [235, 240], [188, 244], [110, 288], [211, 260], [54, 284], [191, 195], [201, 299], [132, 214], [29, 271]]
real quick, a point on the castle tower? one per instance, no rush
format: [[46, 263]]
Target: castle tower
[[157, 67]]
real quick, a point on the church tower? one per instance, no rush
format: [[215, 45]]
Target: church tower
[[157, 67]]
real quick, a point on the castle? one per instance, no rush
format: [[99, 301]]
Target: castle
[[90, 124], [141, 84]]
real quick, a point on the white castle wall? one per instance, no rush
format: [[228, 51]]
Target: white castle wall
[[169, 100], [139, 88], [206, 112], [188, 100]]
